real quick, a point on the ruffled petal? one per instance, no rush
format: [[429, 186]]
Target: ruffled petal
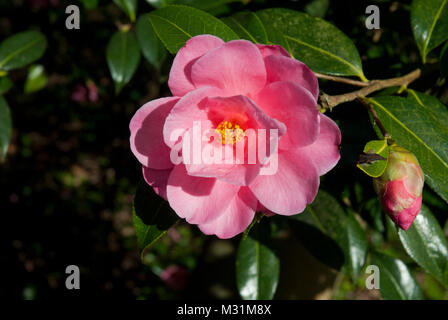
[[272, 49], [291, 188], [157, 179], [236, 66], [235, 219], [281, 68], [198, 200], [146, 128], [325, 150], [296, 108], [180, 73]]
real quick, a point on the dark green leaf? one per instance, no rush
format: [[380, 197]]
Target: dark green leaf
[[430, 104], [21, 49], [248, 26], [90, 4], [152, 217], [5, 126], [421, 133], [5, 84], [152, 48], [429, 20], [425, 242], [330, 234], [129, 7], [317, 43], [123, 57], [396, 281], [257, 265], [175, 24], [317, 8], [36, 79], [444, 61]]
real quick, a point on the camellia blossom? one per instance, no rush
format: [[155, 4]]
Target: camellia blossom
[[230, 90], [400, 187]]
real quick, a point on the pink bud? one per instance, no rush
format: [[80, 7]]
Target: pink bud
[[400, 187]]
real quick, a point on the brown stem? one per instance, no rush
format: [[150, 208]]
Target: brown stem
[[328, 102], [372, 111], [342, 79]]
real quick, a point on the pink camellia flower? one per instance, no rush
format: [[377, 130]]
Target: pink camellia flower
[[400, 187], [226, 94]]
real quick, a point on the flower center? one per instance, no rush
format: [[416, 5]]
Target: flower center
[[231, 132]]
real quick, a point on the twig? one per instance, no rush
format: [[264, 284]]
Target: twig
[[328, 102], [342, 79], [372, 111]]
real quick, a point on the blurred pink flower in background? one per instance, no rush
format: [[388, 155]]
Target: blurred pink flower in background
[[83, 93], [400, 187], [175, 277], [234, 87]]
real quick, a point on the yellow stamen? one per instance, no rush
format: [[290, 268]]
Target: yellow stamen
[[230, 132]]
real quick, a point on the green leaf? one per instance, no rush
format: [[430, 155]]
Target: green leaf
[[90, 4], [5, 84], [213, 7], [375, 168], [331, 235], [248, 26], [152, 217], [421, 133], [396, 281], [430, 104], [152, 48], [429, 20], [36, 79], [425, 242], [444, 61], [129, 7], [21, 49], [123, 57], [176, 24], [257, 265], [317, 43], [317, 8], [5, 126]]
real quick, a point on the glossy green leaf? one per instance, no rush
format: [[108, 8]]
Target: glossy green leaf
[[396, 280], [5, 84], [21, 49], [425, 242], [375, 168], [152, 48], [36, 79], [330, 234], [430, 104], [444, 60], [152, 217], [5, 126], [429, 20], [123, 57], [248, 26], [129, 7], [257, 265], [421, 133], [317, 43], [175, 24]]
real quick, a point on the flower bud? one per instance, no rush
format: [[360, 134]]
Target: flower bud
[[400, 187]]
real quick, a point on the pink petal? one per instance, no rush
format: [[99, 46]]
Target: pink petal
[[180, 74], [198, 200], [235, 219], [147, 133], [268, 50], [190, 108], [247, 114], [157, 179], [281, 68], [295, 107], [325, 150], [236, 66], [291, 188]]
